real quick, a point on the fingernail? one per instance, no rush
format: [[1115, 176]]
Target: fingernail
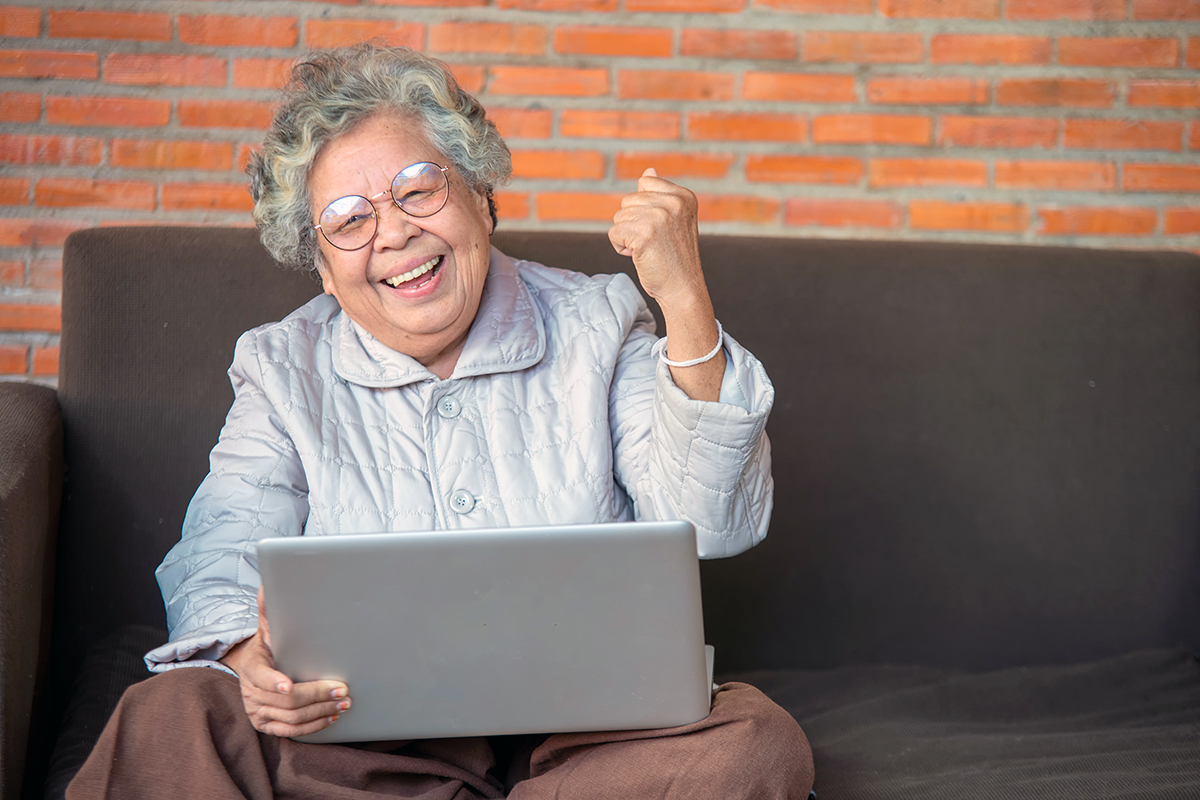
[[338, 693], [344, 705], [283, 688], [333, 718]]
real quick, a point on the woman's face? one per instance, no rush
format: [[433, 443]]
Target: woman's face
[[426, 317]]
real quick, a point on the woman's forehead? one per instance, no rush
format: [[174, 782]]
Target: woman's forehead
[[368, 156]]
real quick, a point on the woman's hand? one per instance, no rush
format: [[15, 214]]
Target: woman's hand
[[657, 227], [273, 702]]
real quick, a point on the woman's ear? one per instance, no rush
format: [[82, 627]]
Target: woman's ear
[[484, 206]]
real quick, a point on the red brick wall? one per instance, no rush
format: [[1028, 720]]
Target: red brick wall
[[1045, 121]]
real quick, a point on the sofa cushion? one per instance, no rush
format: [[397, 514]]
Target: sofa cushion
[[1121, 727], [1127, 726]]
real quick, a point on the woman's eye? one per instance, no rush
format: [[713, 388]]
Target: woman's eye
[[353, 223]]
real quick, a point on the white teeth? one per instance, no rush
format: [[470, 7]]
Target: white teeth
[[415, 273]]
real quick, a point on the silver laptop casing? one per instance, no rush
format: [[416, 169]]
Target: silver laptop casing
[[494, 631]]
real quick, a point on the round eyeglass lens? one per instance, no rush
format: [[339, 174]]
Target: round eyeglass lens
[[348, 223], [421, 190]]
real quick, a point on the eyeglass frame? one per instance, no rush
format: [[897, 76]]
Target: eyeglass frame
[[375, 211]]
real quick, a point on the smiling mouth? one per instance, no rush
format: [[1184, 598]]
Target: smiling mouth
[[413, 274]]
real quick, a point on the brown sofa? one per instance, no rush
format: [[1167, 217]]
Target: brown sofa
[[983, 573]]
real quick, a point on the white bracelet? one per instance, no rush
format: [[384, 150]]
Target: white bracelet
[[660, 349]]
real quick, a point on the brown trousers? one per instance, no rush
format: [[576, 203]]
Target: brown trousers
[[185, 734]]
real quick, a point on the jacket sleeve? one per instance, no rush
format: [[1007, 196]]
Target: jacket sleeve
[[678, 458], [255, 488]]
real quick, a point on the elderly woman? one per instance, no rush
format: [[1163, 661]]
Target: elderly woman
[[378, 172]]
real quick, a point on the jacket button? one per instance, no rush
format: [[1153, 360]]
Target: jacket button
[[449, 407], [462, 501]]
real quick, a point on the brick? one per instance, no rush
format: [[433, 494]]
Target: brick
[[940, 9], [1164, 93], [45, 361], [46, 273], [134, 69], [872, 129], [727, 126], [206, 197], [712, 43], [837, 170], [582, 123], [1066, 9], [124, 112], [967, 48], [688, 6], [1083, 221], [818, 6], [1122, 134], [64, 24], [487, 37], [927, 91], [938, 215], [438, 3], [224, 114], [12, 273], [862, 48], [1065, 92], [1166, 9], [49, 64], [78, 192], [14, 191], [1096, 51], [230, 31], [674, 165], [1161, 178], [998, 131], [38, 150], [37, 232], [162, 154], [558, 5], [892, 172], [20, 22], [577, 206], [553, 81], [1194, 140], [261, 73], [611, 40], [1181, 220], [1193, 52], [522, 123], [20, 107], [558, 164], [41, 317], [14, 359], [512, 205], [470, 77], [244, 152], [790, 87], [338, 32], [842, 213], [674, 85], [1056, 175], [736, 208]]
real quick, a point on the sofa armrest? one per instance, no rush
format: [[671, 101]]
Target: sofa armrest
[[31, 472]]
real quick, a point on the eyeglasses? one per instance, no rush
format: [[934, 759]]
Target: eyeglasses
[[350, 222]]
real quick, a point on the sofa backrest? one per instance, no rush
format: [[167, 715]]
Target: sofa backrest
[[983, 455]]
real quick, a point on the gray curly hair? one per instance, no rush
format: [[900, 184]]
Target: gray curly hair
[[332, 91]]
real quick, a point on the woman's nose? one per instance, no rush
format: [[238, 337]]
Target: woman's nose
[[395, 228]]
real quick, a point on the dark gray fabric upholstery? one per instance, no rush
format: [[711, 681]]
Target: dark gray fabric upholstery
[[31, 469], [985, 457], [1123, 727]]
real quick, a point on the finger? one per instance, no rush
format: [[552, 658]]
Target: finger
[[313, 692], [282, 729], [300, 716]]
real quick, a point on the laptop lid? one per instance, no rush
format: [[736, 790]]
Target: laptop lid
[[494, 631]]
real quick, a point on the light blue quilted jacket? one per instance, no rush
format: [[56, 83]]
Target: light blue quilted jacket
[[556, 413]]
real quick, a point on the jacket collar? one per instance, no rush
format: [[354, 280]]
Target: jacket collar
[[508, 335]]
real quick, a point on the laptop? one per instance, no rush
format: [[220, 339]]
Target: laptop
[[494, 631]]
